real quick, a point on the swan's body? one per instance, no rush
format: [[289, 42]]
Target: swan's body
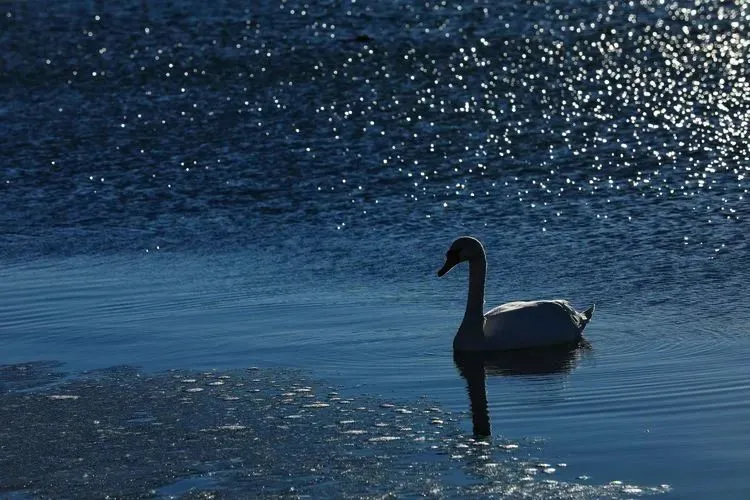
[[515, 325]]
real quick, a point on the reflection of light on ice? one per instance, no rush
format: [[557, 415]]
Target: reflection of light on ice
[[134, 424]]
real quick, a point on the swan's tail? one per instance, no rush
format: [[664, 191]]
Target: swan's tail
[[588, 313]]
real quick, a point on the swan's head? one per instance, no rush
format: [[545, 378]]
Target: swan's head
[[464, 248]]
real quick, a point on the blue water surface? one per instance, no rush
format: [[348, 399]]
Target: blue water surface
[[215, 186]]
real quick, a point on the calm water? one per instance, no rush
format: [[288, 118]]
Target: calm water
[[214, 187]]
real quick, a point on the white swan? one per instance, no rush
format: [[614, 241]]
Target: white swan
[[515, 325]]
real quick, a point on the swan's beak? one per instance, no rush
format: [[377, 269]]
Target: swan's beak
[[451, 259]]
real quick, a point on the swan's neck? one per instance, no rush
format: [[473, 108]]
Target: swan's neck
[[475, 301], [472, 326]]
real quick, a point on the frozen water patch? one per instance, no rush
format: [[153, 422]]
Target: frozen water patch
[[119, 432], [23, 376]]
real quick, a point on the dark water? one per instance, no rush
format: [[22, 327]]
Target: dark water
[[199, 187]]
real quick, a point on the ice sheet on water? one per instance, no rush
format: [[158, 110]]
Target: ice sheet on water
[[29, 375], [260, 433]]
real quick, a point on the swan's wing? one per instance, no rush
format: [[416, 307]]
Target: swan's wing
[[580, 319], [540, 306], [523, 324], [528, 309], [510, 307]]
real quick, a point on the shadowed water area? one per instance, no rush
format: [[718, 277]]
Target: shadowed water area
[[203, 188]]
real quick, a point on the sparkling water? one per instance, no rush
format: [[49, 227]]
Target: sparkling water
[[210, 187]]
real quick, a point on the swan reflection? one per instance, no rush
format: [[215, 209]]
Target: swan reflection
[[475, 366]]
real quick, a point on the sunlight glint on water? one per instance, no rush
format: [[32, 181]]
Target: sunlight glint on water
[[214, 186]]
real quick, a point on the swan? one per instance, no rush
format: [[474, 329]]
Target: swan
[[515, 325]]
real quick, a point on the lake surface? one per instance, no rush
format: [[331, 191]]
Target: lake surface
[[207, 188]]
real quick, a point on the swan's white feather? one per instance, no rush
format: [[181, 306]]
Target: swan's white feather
[[535, 323]]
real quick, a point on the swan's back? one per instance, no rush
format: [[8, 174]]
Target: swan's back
[[536, 306], [523, 324]]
